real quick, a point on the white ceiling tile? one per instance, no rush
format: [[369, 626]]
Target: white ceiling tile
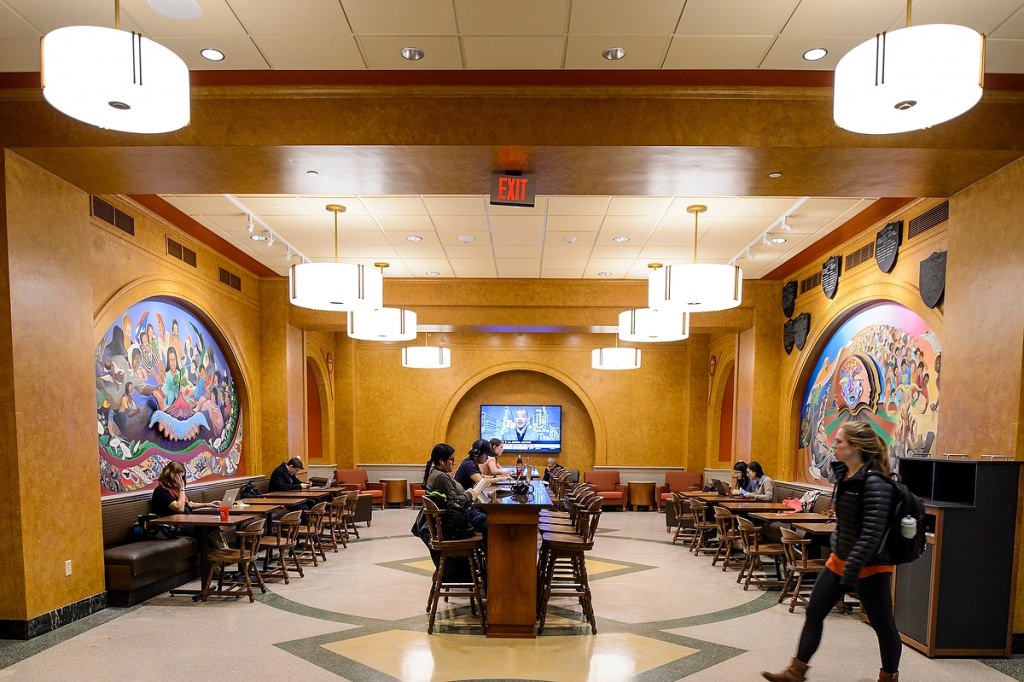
[[735, 17], [636, 227], [477, 238], [520, 231], [310, 52], [298, 223], [459, 224], [565, 243], [202, 204], [348, 223], [617, 268], [441, 205], [563, 263], [539, 208], [513, 52], [421, 266], [788, 52], [522, 18], [983, 17], [764, 208], [240, 53], [518, 267], [665, 253], [617, 252], [1004, 56], [385, 52], [394, 205], [473, 267], [278, 204], [512, 251], [818, 207], [407, 250], [46, 15], [614, 17], [827, 17], [420, 224], [401, 17], [273, 17], [1012, 28], [217, 20], [577, 206], [716, 206], [13, 26], [717, 52], [635, 206], [575, 223], [642, 52], [562, 273], [19, 55], [468, 250], [662, 238], [398, 238]]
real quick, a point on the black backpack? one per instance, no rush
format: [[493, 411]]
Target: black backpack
[[905, 503]]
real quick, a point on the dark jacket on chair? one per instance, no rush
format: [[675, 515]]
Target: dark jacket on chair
[[862, 505]]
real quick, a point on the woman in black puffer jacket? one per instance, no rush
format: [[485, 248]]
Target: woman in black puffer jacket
[[859, 562]]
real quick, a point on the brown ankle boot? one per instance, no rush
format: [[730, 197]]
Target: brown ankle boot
[[796, 672], [888, 677]]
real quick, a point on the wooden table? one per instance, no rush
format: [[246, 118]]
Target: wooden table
[[641, 494], [512, 559], [740, 507], [204, 521], [815, 528], [308, 494], [395, 491], [701, 495], [791, 517]]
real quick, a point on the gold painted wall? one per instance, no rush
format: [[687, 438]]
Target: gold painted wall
[[50, 397]]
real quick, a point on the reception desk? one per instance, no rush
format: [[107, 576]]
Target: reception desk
[[512, 559]]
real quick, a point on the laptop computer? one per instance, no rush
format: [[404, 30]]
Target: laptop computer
[[720, 488], [229, 497]]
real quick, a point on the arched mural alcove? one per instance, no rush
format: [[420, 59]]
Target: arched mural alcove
[[319, 409], [582, 434]]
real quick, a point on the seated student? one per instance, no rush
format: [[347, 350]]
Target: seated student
[[469, 472], [283, 477], [553, 468], [764, 487], [169, 496], [437, 477], [740, 481], [492, 467]]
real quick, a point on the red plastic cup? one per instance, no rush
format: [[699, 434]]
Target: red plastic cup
[[224, 511]]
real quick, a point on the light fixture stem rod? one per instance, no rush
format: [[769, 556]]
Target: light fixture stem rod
[[909, 3], [335, 236], [117, 14], [695, 216]]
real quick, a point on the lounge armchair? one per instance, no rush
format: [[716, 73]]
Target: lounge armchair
[[606, 484], [358, 477]]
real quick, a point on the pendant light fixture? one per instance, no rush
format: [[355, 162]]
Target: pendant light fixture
[[646, 325], [695, 287], [426, 357], [382, 324], [909, 79], [615, 357], [336, 287], [114, 79]]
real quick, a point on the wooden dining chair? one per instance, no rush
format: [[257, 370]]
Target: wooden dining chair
[[308, 545], [332, 532], [755, 551], [703, 526], [244, 555], [683, 530], [728, 537], [348, 516], [282, 542], [798, 567]]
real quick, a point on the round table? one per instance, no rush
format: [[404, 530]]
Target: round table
[[395, 491], [641, 494]]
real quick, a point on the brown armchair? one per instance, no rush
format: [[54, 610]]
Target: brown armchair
[[678, 482], [358, 477], [606, 484], [416, 493]]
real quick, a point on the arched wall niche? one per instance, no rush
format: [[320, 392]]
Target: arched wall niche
[[822, 331], [322, 378], [582, 433]]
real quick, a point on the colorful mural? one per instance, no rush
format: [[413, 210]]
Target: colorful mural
[[881, 367], [164, 391]]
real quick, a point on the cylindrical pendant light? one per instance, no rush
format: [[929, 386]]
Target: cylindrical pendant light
[[382, 324], [615, 358], [426, 357]]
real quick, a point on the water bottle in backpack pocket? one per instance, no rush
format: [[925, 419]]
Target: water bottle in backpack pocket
[[905, 536]]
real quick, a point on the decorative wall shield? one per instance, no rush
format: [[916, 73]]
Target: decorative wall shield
[[789, 298], [788, 336], [887, 245], [830, 276], [932, 279], [801, 327]]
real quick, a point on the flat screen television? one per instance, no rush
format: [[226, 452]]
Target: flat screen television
[[527, 429]]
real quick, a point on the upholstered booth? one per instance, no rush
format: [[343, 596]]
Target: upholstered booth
[[358, 477], [606, 484], [678, 482]]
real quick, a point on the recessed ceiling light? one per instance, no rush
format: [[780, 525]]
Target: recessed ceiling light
[[182, 10], [413, 54], [258, 237], [466, 238], [614, 54], [604, 273], [212, 54], [414, 238], [775, 174], [621, 239], [433, 273], [815, 53], [777, 240], [312, 172], [570, 240]]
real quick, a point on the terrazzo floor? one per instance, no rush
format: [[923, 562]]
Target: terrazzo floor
[[663, 614]]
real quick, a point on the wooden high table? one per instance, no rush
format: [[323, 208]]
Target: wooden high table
[[512, 559]]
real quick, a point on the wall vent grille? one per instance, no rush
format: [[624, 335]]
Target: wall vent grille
[[928, 220], [861, 255], [113, 216], [181, 252], [231, 279], [812, 282]]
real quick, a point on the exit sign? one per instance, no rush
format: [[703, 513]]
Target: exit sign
[[512, 190]]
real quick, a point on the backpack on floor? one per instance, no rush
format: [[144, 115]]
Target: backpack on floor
[[905, 505]]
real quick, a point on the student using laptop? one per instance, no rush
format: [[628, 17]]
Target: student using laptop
[[283, 477], [169, 496]]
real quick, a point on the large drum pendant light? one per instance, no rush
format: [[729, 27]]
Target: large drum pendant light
[[382, 324], [695, 287], [336, 287]]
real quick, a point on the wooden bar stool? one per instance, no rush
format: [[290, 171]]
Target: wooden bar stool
[[471, 549], [562, 568]]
